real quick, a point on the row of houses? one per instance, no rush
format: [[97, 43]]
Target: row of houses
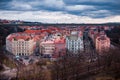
[[50, 42]]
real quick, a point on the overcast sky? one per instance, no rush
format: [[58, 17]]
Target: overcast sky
[[61, 11]]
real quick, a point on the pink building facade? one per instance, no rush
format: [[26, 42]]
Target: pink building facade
[[102, 44], [52, 45]]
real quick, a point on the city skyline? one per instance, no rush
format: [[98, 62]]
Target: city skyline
[[61, 11]]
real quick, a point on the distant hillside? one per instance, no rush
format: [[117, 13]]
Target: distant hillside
[[14, 22]]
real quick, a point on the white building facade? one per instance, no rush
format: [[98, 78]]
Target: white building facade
[[74, 42]]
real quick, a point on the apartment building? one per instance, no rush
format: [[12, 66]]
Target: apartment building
[[74, 42], [21, 44], [102, 43]]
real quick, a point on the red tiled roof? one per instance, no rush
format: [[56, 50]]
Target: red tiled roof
[[62, 40], [38, 31], [32, 31], [24, 36]]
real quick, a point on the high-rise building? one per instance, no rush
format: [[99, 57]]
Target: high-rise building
[[74, 42]]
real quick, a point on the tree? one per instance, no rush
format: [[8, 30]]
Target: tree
[[112, 61]]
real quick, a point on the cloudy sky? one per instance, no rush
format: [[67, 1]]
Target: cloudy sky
[[61, 11]]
